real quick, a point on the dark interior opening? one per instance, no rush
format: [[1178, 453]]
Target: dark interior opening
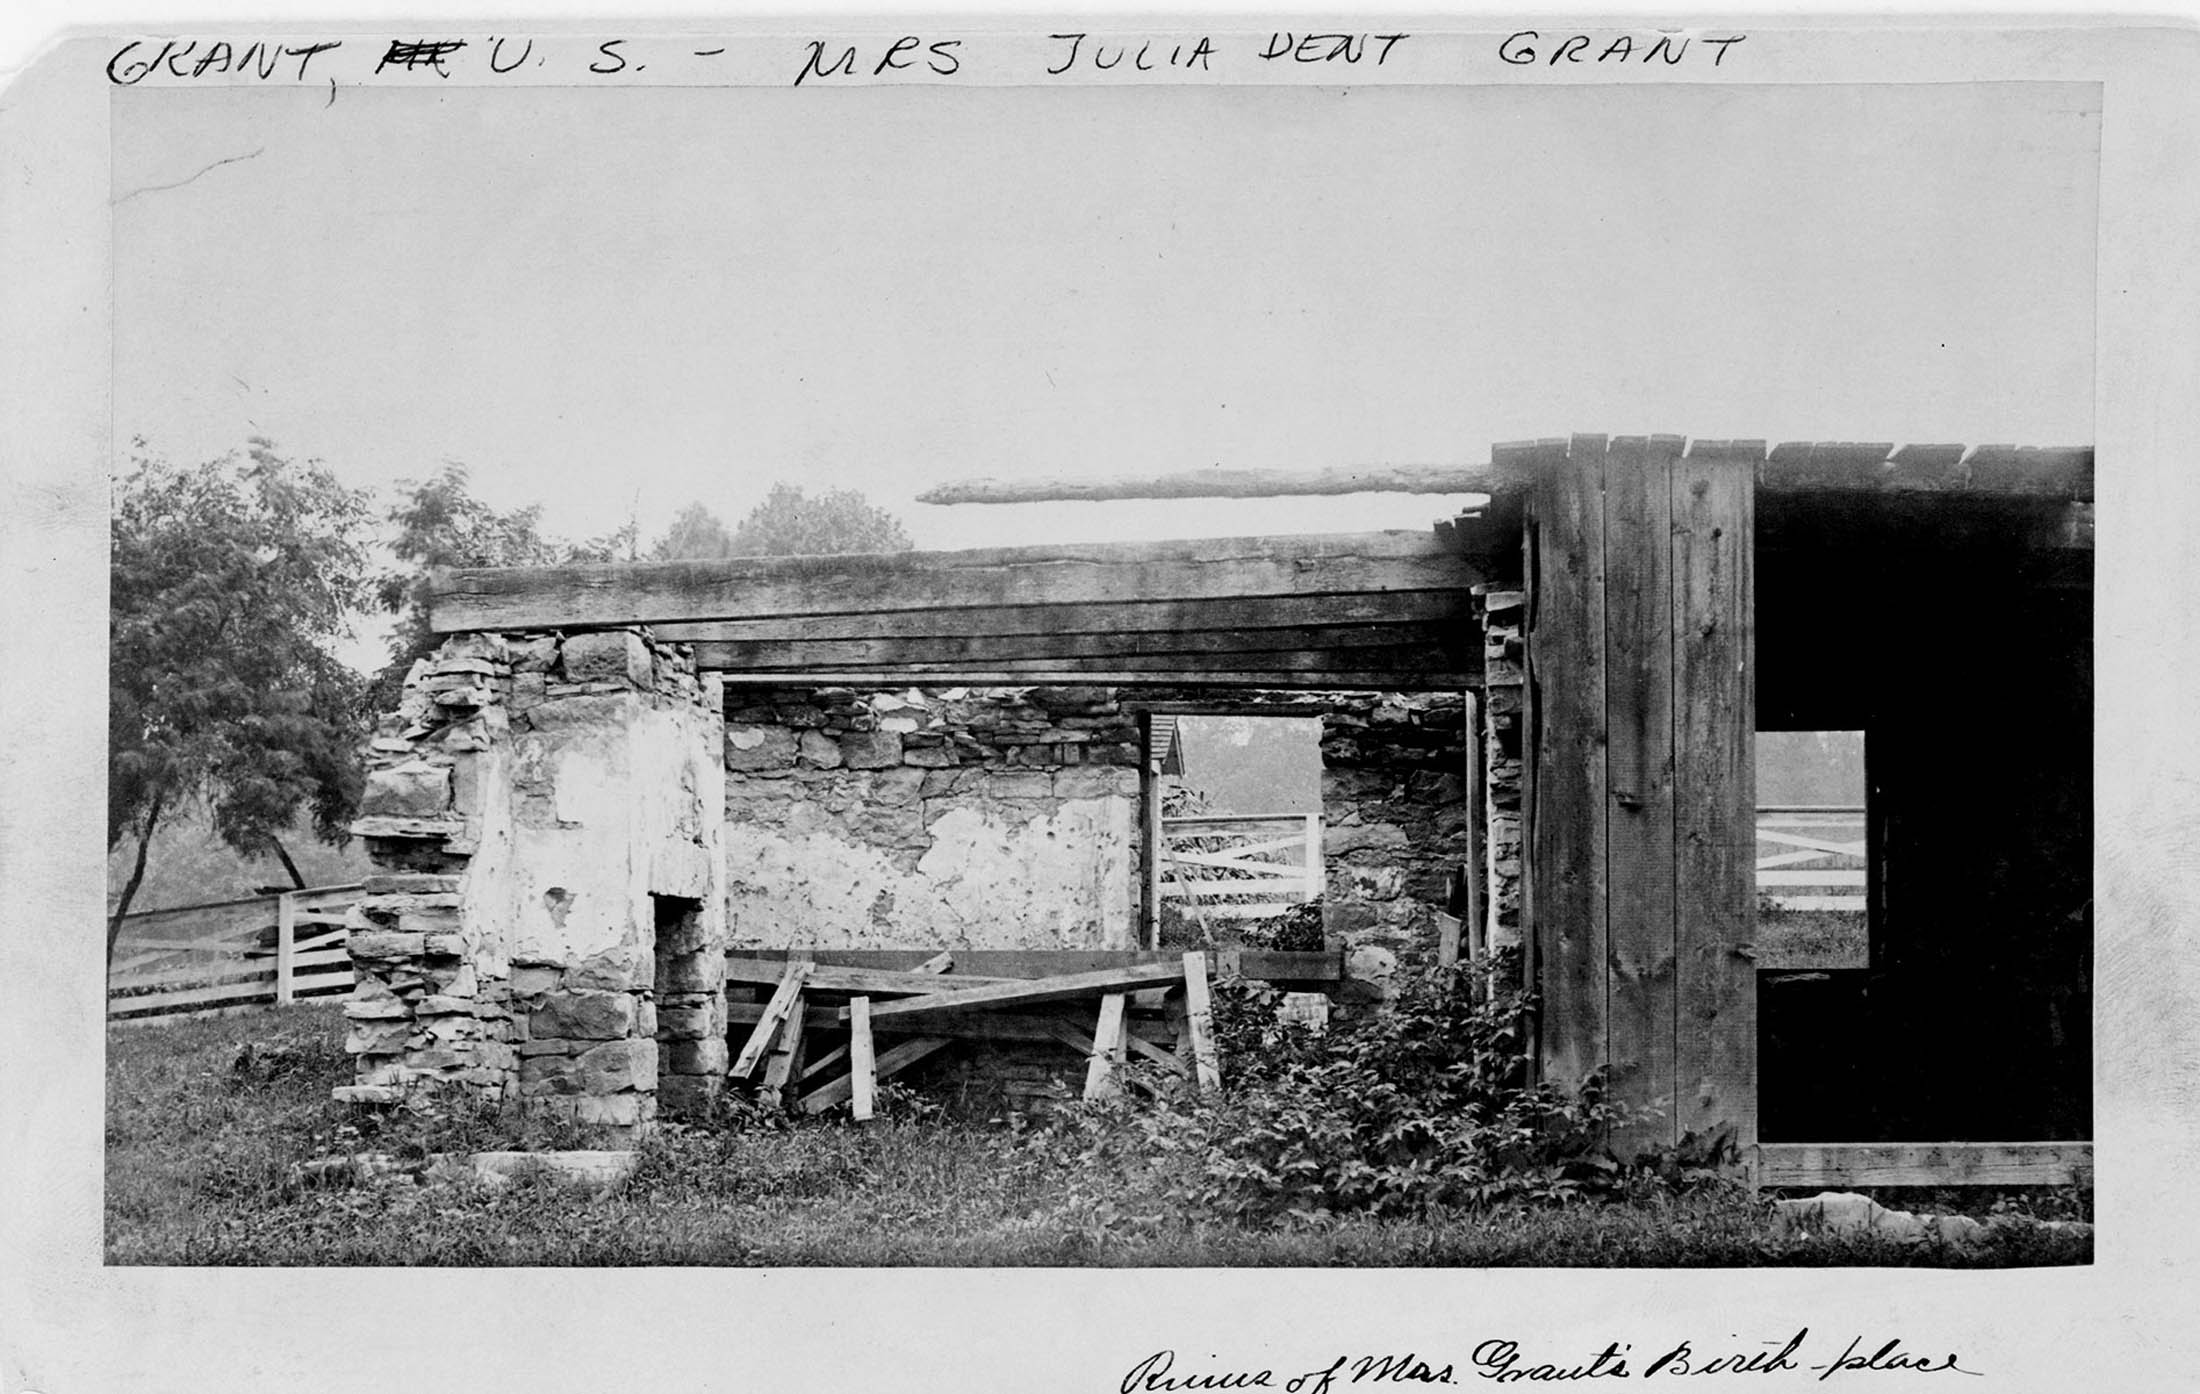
[[1970, 671]]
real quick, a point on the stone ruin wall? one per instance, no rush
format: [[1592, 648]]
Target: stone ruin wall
[[545, 921], [961, 818]]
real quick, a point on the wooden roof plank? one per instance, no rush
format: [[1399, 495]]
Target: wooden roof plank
[[474, 598]]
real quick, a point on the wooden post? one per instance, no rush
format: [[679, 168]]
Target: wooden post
[[1715, 786], [1108, 1048], [1476, 870], [862, 1064], [286, 947], [1199, 1018], [1149, 804], [1314, 856], [1639, 623], [1565, 835]]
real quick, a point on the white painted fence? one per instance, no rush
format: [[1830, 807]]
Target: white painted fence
[[1241, 866], [203, 959]]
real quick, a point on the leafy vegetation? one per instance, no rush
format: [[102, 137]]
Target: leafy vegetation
[[790, 522], [206, 1118], [230, 583]]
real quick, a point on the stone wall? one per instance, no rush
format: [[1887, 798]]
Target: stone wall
[[1394, 823], [968, 818], [1502, 611], [543, 815]]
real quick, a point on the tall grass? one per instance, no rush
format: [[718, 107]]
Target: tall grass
[[205, 1118]]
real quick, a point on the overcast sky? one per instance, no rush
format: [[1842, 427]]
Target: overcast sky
[[619, 301]]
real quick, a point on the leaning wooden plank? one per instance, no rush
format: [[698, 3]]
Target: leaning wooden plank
[[470, 598], [783, 1002], [1140, 1045], [862, 1063], [1058, 989], [941, 962], [1923, 1164], [822, 1064], [1199, 1022], [892, 1062], [1107, 1049], [785, 1060], [1225, 484]]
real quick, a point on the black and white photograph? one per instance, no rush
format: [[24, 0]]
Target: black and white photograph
[[1204, 649]]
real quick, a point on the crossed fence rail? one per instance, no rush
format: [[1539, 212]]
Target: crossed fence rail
[[198, 960]]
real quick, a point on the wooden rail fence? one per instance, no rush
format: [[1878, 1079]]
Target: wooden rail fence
[[198, 960], [1241, 866]]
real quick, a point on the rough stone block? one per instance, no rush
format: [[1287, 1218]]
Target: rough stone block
[[618, 1065], [691, 972], [583, 1016], [682, 1096], [871, 750], [645, 1017], [896, 788], [367, 1094], [383, 945], [408, 883], [378, 1037], [613, 1110], [1336, 842], [617, 656], [535, 979], [550, 1074], [383, 1008], [415, 789], [819, 751], [680, 868], [932, 757], [706, 1057], [1020, 784], [618, 969], [759, 748], [683, 1023], [1089, 783]]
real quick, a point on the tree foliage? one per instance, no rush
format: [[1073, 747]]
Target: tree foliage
[[696, 534], [229, 582], [439, 523], [793, 523]]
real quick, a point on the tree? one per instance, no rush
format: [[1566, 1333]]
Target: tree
[[695, 535], [791, 523], [439, 523], [229, 582]]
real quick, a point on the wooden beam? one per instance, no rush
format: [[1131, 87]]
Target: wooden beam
[[1066, 987], [892, 1062], [829, 978], [1223, 484], [473, 598], [1412, 660], [979, 965], [1388, 680], [1639, 623], [1438, 637], [784, 1063], [1714, 791], [1861, 1164], [1230, 614], [1566, 822], [783, 1002]]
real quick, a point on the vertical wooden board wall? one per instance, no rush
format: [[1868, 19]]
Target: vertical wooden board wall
[[1565, 837], [1715, 784], [1639, 714]]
